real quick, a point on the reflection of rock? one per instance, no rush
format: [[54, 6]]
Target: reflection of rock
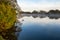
[[18, 26], [18, 29]]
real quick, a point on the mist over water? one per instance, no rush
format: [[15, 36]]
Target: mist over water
[[39, 29]]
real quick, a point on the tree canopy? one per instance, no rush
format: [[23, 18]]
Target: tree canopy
[[7, 20], [7, 15]]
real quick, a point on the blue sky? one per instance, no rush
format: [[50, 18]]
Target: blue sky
[[30, 5]]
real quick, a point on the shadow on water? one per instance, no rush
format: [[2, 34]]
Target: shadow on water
[[39, 29]]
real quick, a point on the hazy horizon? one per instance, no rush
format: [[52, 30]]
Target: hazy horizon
[[46, 5]]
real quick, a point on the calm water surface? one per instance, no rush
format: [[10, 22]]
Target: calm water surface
[[39, 29]]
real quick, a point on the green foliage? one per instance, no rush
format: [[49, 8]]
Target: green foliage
[[7, 16], [1, 38]]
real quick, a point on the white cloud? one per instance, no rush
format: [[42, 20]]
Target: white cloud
[[27, 6]]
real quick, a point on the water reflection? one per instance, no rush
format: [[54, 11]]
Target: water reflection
[[42, 15], [39, 29]]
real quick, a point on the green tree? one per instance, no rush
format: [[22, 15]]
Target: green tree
[[7, 16], [7, 20]]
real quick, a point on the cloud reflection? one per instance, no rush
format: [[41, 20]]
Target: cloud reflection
[[39, 20]]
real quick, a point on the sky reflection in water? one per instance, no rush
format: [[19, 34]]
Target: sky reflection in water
[[40, 29]]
